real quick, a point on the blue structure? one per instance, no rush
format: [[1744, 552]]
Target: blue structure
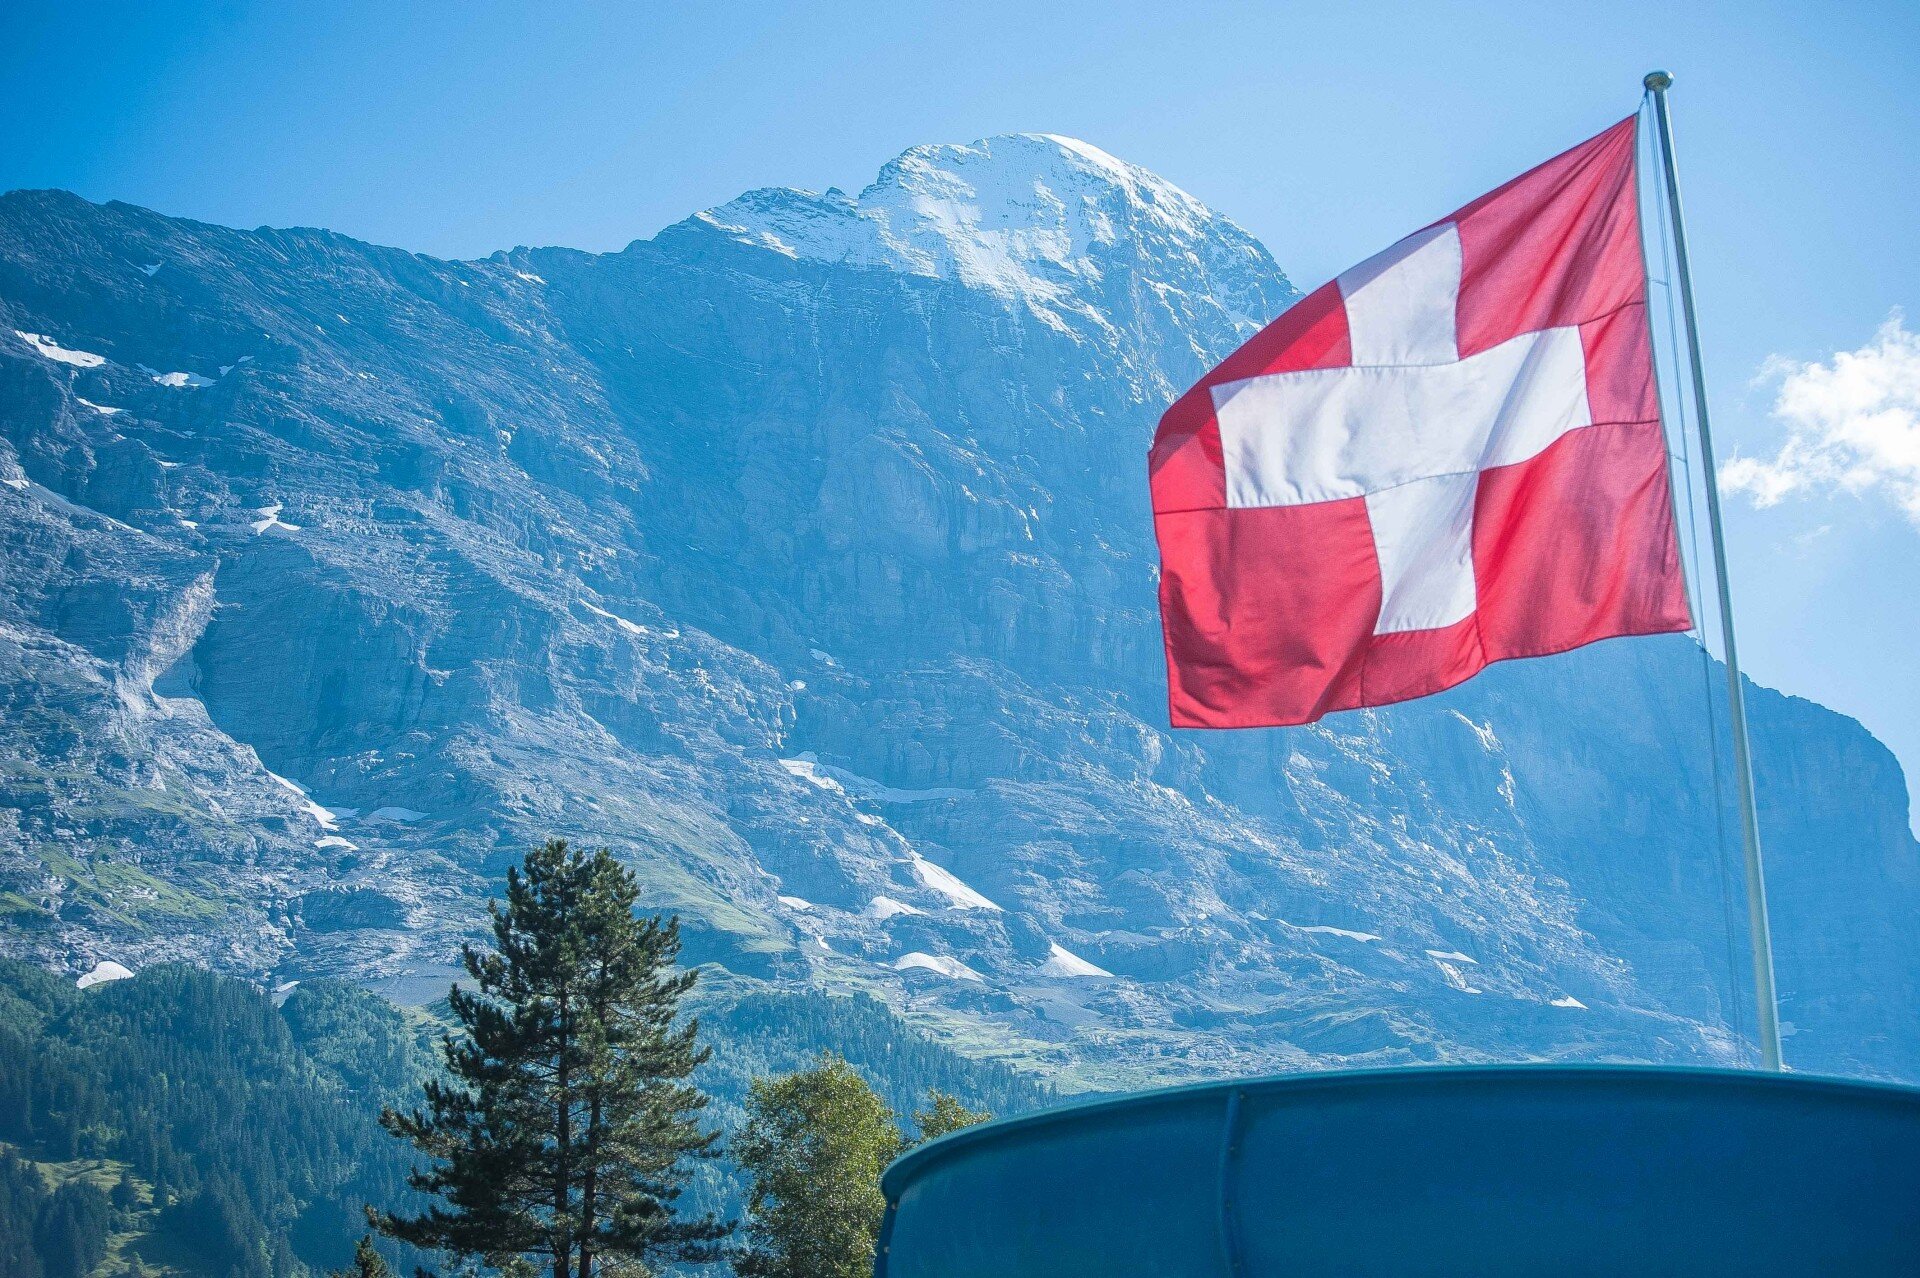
[[1541, 1171]]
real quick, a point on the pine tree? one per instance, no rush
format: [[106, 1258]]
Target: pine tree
[[814, 1146], [367, 1262], [125, 1194], [567, 1128], [22, 1195], [71, 1234], [944, 1113]]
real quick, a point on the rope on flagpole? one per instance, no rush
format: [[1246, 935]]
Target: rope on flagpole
[[1759, 932], [1729, 928]]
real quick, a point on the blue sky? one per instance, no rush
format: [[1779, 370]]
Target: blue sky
[[1328, 130]]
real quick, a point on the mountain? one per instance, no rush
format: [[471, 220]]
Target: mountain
[[801, 554]]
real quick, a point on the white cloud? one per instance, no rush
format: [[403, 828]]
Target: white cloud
[[1853, 425]]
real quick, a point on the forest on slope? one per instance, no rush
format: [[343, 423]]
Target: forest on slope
[[180, 1122]]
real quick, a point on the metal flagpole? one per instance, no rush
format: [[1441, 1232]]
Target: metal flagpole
[[1658, 82]]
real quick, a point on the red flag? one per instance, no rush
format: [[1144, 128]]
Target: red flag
[[1450, 455]]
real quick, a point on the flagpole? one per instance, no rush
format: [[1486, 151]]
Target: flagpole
[[1759, 934]]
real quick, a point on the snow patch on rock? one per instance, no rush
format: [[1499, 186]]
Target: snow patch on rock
[[807, 768], [314, 810], [1454, 976], [631, 627], [270, 519], [177, 380], [47, 348], [828, 777], [885, 907], [1064, 963], [947, 884], [1321, 929], [951, 968], [103, 971], [1488, 740]]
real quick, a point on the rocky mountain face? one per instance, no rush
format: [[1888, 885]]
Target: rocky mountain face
[[801, 554]]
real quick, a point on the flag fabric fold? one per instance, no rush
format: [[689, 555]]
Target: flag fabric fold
[[1450, 455]]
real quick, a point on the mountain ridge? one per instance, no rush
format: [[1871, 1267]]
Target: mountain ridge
[[823, 592]]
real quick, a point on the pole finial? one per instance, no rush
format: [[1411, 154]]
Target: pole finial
[[1658, 81]]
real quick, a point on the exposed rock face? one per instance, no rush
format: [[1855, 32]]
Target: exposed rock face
[[801, 554]]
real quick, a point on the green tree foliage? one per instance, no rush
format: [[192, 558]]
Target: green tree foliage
[[814, 1146], [771, 1033], [28, 996], [367, 1262], [247, 1132], [22, 1194], [944, 1113], [126, 1195], [258, 1155], [765, 1033], [375, 1049], [217, 1230], [566, 1128], [71, 1234]]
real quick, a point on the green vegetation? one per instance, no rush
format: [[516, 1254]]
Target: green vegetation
[[58, 1232], [945, 1114], [367, 1262], [70, 1233], [12, 903], [23, 1193], [759, 1034], [564, 1129], [380, 1052], [229, 1138], [814, 1147], [241, 1155], [122, 891]]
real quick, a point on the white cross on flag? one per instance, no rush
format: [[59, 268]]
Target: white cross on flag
[[1449, 456]]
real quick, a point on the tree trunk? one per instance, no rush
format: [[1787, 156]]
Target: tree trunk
[[587, 1186], [563, 1136]]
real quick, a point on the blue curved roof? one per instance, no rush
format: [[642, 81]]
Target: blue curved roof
[[1531, 1170]]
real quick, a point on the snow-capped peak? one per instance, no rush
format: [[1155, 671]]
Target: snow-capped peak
[[1033, 216]]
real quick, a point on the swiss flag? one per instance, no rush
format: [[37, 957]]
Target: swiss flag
[[1448, 456]]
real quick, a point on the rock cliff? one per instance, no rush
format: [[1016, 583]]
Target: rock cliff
[[801, 554]]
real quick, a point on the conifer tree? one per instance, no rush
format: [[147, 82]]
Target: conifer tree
[[367, 1262], [71, 1235], [125, 1195], [814, 1146], [567, 1127], [22, 1195]]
